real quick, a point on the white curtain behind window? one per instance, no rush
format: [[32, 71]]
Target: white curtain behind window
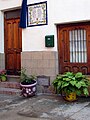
[[78, 51]]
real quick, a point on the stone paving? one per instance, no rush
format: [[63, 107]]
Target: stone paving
[[43, 107]]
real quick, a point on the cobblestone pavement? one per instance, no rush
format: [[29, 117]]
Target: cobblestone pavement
[[43, 107]]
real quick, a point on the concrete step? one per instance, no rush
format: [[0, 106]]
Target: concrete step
[[13, 78], [10, 91], [11, 86], [8, 84]]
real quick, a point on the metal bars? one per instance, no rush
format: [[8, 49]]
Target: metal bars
[[78, 51]]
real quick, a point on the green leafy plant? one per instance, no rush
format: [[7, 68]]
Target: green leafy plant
[[70, 82], [3, 75], [26, 79]]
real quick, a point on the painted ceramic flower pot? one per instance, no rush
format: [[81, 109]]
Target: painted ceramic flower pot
[[71, 97], [28, 90]]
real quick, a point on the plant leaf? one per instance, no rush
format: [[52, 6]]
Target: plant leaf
[[78, 85], [78, 75], [78, 92], [66, 79], [59, 83], [85, 91], [73, 83], [64, 84], [69, 74], [55, 83], [83, 83]]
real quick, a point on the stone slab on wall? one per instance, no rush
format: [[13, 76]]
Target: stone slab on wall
[[40, 63], [2, 61]]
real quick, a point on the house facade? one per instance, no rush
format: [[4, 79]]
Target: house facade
[[61, 44]]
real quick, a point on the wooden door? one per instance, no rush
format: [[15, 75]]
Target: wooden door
[[13, 45], [74, 48]]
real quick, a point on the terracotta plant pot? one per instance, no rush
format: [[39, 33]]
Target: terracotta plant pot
[[28, 90]]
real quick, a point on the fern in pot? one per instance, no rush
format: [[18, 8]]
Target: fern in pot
[[72, 85]]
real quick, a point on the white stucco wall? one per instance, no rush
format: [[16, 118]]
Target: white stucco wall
[[9, 4], [34, 37], [71, 10], [59, 11], [1, 33]]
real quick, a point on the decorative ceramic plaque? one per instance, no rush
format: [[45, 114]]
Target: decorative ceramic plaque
[[37, 14]]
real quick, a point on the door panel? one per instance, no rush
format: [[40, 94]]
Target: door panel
[[74, 48], [13, 45]]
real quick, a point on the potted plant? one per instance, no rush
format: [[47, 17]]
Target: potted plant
[[3, 75], [71, 85], [27, 84]]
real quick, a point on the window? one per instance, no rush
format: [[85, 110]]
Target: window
[[78, 50]]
